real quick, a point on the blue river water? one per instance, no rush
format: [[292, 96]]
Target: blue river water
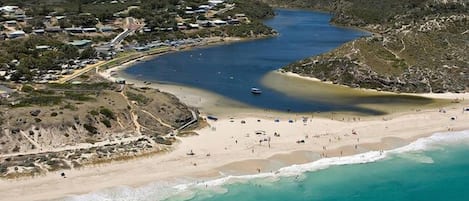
[[231, 70]]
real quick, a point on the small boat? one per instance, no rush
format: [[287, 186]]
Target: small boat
[[255, 90], [212, 118]]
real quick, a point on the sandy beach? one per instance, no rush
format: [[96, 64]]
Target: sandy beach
[[246, 143]]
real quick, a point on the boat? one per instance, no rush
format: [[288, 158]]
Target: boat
[[212, 118], [255, 90]]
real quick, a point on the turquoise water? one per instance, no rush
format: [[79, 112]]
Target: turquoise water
[[439, 173]]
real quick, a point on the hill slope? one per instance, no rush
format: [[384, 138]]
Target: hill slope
[[417, 45]]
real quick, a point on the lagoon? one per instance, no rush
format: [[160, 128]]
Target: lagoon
[[231, 70]]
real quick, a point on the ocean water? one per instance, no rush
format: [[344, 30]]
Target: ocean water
[[430, 169], [231, 70]]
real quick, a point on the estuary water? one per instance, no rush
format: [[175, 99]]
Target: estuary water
[[231, 70]]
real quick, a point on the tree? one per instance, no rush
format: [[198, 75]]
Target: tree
[[37, 23], [69, 51], [28, 29], [137, 13], [88, 53], [83, 20]]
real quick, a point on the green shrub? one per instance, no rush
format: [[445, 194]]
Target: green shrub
[[107, 113], [91, 129], [106, 122]]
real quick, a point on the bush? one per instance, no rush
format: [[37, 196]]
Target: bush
[[139, 98], [27, 88], [106, 122], [91, 129], [94, 112], [107, 113]]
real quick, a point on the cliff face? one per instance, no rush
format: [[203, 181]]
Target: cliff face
[[417, 46]]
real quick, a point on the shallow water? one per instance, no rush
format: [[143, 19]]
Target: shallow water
[[231, 70]]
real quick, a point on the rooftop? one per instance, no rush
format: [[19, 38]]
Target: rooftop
[[80, 42]]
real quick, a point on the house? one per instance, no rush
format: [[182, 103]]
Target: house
[[215, 2], [240, 15], [106, 29], [8, 9], [219, 22], [205, 7], [75, 30], [39, 31], [53, 30], [141, 48], [42, 47], [81, 43], [120, 81], [60, 17], [146, 30], [5, 91], [194, 26], [19, 15], [16, 34], [204, 23], [90, 30], [200, 11], [233, 21], [11, 23]]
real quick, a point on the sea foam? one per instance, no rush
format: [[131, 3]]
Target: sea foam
[[186, 189]]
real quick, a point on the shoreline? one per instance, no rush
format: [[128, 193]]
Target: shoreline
[[447, 95], [235, 153]]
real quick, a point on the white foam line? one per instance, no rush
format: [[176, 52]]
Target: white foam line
[[368, 157]]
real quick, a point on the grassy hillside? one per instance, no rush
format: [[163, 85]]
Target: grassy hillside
[[417, 45]]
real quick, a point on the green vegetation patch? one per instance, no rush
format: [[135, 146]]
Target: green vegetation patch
[[107, 113], [139, 98]]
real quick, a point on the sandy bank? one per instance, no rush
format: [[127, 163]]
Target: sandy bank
[[449, 96]]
